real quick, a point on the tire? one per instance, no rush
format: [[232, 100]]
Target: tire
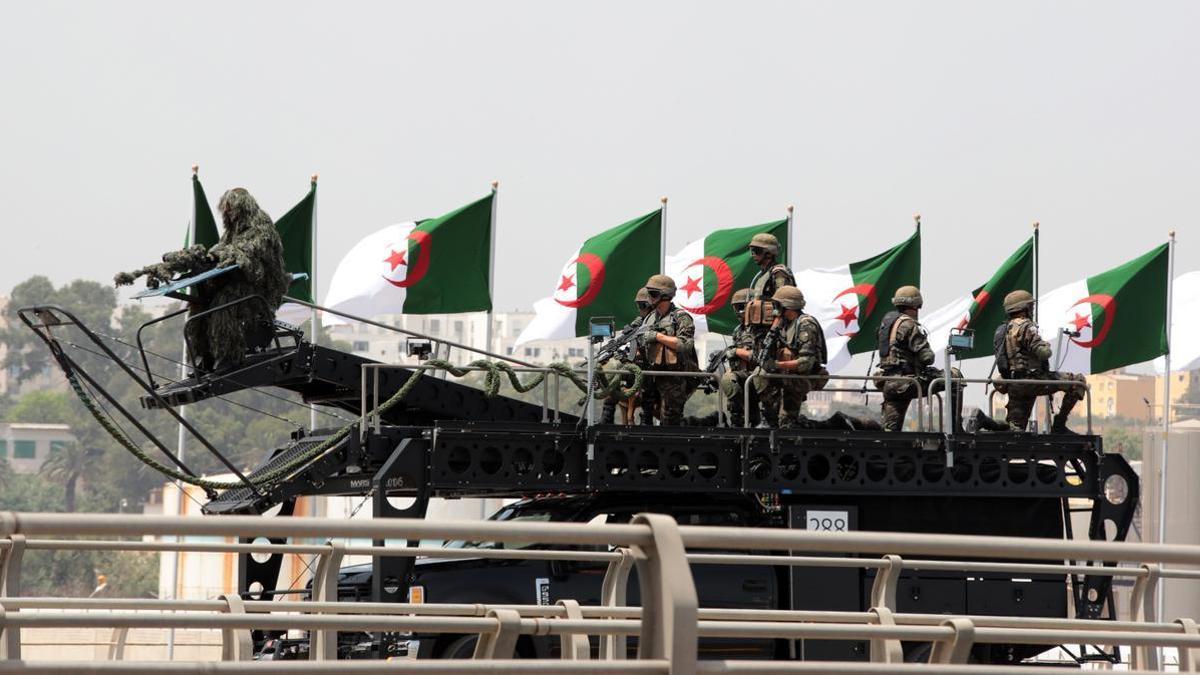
[[462, 648]]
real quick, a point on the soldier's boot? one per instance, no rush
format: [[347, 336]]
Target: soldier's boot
[[768, 415], [608, 413], [794, 420], [957, 422], [736, 418], [1059, 424], [893, 411], [984, 422]]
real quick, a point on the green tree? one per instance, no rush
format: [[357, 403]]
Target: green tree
[[91, 302]]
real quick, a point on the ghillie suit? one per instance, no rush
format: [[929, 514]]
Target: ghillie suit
[[251, 242], [219, 341]]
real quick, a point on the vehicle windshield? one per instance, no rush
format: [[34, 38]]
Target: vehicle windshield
[[512, 513]]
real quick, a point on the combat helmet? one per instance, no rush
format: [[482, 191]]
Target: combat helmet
[[642, 298], [1017, 301], [660, 284], [766, 241], [908, 296], [740, 298], [789, 297]]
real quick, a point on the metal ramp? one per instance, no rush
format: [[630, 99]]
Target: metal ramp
[[249, 500]]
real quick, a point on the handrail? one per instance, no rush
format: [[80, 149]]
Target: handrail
[[948, 545], [412, 333]]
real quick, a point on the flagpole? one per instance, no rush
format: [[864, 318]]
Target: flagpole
[[487, 333], [917, 220], [662, 243], [1037, 229], [788, 253], [316, 330], [181, 438], [1166, 421]]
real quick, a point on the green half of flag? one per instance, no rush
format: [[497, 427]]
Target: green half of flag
[[987, 308], [875, 282], [296, 231], [613, 265], [203, 223], [451, 265], [1129, 311], [732, 247]]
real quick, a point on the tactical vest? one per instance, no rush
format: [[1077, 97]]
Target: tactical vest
[[658, 354], [791, 336], [763, 287], [891, 355], [1021, 363]]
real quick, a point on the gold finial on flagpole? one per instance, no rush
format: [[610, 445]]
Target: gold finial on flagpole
[[1036, 225], [1171, 234], [791, 208], [495, 185], [195, 169], [664, 200], [314, 177], [917, 219]]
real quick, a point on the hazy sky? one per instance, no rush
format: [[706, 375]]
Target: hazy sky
[[983, 117]]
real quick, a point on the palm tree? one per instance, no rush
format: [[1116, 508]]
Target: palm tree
[[67, 465]]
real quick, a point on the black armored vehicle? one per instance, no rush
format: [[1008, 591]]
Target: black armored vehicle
[[419, 436]]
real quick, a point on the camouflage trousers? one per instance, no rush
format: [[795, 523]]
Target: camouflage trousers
[[664, 398], [781, 398], [608, 410], [898, 394], [733, 388], [1023, 397]]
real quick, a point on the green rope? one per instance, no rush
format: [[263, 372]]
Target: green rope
[[494, 374]]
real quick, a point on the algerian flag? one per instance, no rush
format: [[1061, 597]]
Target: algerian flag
[[850, 300], [1185, 325], [439, 265], [296, 230], [203, 228], [599, 279], [707, 272], [1120, 316], [983, 308]]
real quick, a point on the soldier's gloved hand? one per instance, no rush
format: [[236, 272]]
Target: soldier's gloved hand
[[649, 337], [770, 365]]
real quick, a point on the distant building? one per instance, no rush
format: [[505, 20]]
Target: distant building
[[1120, 394], [25, 446]]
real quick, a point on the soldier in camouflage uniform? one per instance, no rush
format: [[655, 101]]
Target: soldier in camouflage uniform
[[738, 367], [1028, 358], [904, 351], [800, 350], [609, 410], [771, 275], [669, 344], [249, 240]]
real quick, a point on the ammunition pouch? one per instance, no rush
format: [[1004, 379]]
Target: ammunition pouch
[[759, 313], [661, 356]]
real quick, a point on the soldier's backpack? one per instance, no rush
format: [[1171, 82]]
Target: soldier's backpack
[[1000, 345]]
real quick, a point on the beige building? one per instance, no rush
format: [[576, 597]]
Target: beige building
[[25, 446], [1120, 394]]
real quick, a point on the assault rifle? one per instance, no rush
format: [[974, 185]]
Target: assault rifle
[[766, 349], [621, 345], [709, 385]]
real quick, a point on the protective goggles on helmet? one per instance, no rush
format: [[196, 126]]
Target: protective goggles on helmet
[[642, 304], [654, 293], [757, 250], [739, 307]]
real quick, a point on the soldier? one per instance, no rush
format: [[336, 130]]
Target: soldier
[[771, 276], [1026, 356], [904, 351], [249, 240], [669, 344], [738, 366], [799, 350], [608, 412]]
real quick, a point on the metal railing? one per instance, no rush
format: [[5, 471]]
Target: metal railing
[[668, 623]]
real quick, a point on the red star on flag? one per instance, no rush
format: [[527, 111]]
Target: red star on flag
[[692, 286], [1081, 321], [566, 283], [396, 259], [848, 315]]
